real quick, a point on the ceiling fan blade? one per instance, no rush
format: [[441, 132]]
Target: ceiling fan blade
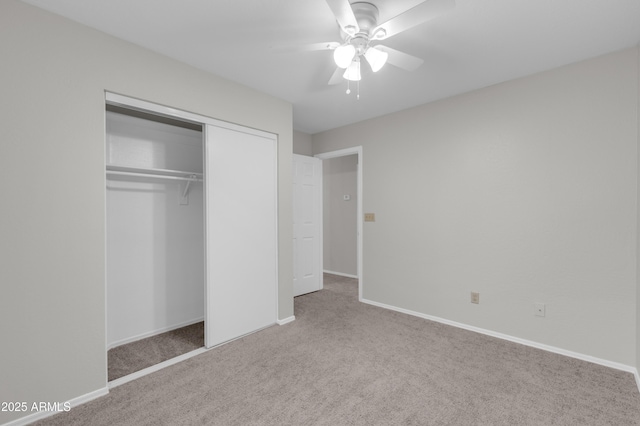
[[417, 15], [330, 45], [400, 59], [344, 15], [336, 78], [314, 47]]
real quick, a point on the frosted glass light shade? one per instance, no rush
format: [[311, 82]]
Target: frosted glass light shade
[[343, 55], [353, 72], [376, 58]]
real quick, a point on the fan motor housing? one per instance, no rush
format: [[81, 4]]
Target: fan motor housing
[[367, 17]]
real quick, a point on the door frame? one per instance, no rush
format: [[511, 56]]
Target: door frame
[[357, 150], [142, 105]]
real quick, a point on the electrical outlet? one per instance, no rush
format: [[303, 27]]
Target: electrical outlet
[[475, 297], [369, 217], [539, 309]]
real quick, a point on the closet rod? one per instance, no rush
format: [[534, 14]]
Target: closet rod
[[191, 178]]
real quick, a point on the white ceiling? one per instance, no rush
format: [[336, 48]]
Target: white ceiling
[[253, 42]]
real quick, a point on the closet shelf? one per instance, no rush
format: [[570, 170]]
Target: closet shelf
[[154, 173]]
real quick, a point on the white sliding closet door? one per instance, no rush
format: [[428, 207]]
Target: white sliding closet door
[[241, 231]]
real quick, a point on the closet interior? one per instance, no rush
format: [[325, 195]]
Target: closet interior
[[155, 235]]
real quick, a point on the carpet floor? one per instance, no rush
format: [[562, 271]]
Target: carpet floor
[[342, 362], [135, 356]]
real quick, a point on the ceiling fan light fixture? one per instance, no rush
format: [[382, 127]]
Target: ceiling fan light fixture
[[343, 55], [353, 72], [376, 58]]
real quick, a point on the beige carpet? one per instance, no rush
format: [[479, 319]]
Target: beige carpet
[[346, 363], [135, 356]]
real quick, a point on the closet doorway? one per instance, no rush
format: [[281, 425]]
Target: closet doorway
[[155, 239], [191, 225]]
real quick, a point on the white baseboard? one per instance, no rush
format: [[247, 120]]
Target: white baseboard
[[340, 274], [88, 397], [286, 320], [72, 403], [548, 348], [152, 333]]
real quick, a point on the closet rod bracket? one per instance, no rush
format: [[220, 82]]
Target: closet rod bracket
[[184, 200]]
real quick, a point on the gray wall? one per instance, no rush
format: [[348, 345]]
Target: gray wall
[[302, 143], [524, 192], [52, 234], [339, 217]]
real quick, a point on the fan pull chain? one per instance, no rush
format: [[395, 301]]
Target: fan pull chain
[[357, 89]]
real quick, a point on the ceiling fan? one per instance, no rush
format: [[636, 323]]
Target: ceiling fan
[[361, 32]]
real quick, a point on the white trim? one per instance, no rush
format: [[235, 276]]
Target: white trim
[[292, 318], [105, 248], [153, 333], [340, 274], [342, 153], [154, 368], [138, 104], [75, 402], [44, 414], [548, 348], [339, 153], [206, 205], [637, 265], [276, 289], [320, 200]]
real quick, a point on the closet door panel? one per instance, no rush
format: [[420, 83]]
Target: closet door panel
[[241, 243]]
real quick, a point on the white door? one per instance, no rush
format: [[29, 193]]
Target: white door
[[307, 224], [241, 231]]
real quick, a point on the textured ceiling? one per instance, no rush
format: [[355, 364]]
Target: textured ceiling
[[256, 43]]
